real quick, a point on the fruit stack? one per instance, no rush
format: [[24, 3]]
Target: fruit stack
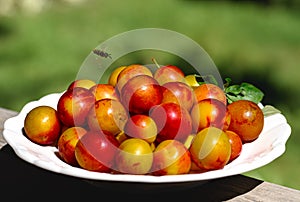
[[146, 122]]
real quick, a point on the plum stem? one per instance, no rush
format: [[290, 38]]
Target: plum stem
[[155, 62]]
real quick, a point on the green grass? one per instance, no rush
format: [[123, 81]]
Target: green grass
[[42, 54]]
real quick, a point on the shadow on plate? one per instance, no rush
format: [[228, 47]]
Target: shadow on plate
[[142, 188]]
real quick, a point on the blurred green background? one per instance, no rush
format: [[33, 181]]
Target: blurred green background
[[43, 44]]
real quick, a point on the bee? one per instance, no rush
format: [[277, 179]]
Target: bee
[[101, 53]]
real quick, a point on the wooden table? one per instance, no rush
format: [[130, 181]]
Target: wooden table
[[21, 181]]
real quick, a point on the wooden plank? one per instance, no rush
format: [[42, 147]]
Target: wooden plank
[[4, 114], [244, 189], [269, 192]]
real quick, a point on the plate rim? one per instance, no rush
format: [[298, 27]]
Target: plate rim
[[279, 147]]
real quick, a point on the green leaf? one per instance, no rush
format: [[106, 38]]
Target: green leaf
[[269, 110], [244, 91], [206, 79], [227, 83]]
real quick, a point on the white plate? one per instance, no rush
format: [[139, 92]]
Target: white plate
[[269, 146]]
